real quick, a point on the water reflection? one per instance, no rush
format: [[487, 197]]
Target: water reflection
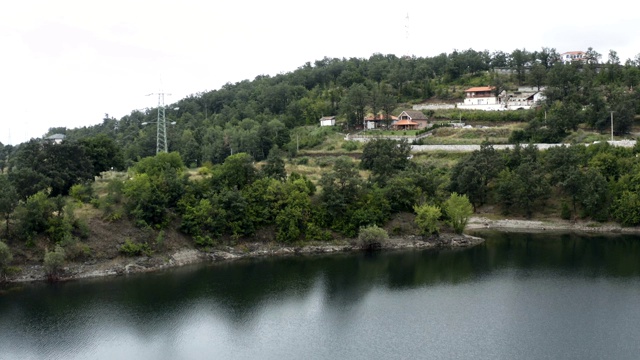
[[234, 301]]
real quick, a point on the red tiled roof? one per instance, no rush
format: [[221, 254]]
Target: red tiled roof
[[479, 89], [405, 122]]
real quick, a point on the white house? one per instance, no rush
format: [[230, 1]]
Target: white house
[[481, 98], [328, 121], [570, 56], [56, 138]]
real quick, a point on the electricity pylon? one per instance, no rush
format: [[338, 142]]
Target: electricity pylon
[[161, 133]]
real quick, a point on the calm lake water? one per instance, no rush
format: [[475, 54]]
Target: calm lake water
[[518, 296]]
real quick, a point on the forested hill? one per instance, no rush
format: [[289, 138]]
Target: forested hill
[[253, 116]]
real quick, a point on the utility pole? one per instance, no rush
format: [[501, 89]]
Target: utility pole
[[612, 126], [161, 132]]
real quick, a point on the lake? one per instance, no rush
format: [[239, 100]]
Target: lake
[[517, 296]]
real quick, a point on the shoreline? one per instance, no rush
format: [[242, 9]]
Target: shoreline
[[548, 225], [189, 256]]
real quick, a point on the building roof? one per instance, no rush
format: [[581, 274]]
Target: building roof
[[573, 53], [415, 115], [379, 117], [56, 137], [405, 122], [480, 89], [327, 118]]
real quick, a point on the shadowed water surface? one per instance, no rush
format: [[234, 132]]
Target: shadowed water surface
[[515, 296]]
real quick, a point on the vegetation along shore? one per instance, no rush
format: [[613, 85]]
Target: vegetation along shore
[[249, 170]]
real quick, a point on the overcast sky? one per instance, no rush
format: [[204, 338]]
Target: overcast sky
[[67, 63]]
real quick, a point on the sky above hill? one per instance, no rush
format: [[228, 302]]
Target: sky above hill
[[68, 63]]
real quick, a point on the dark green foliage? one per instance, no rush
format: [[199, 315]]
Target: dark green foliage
[[103, 153], [8, 200], [565, 211], [385, 158], [130, 248], [626, 208], [238, 171], [82, 192], [5, 258], [274, 166], [471, 176], [34, 215], [57, 166]]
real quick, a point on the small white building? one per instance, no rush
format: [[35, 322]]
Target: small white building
[[328, 121], [571, 56]]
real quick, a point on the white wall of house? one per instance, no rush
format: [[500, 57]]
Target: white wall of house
[[331, 122], [481, 101]]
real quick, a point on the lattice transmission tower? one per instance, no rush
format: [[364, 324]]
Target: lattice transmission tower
[[161, 133]]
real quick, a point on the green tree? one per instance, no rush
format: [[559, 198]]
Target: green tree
[[238, 171], [372, 234], [427, 217], [8, 200], [53, 262], [385, 158], [5, 258], [353, 105], [104, 153], [626, 208], [458, 210], [274, 166]]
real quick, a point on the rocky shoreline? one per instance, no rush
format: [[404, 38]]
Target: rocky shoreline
[[142, 264], [517, 225]]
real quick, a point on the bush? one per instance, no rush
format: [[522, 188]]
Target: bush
[[458, 209], [130, 248], [565, 211], [82, 192], [203, 241], [53, 261], [350, 145], [372, 234], [75, 249], [5, 258], [427, 218], [315, 233]]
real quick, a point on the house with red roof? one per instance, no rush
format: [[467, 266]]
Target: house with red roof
[[378, 121], [482, 98], [411, 120]]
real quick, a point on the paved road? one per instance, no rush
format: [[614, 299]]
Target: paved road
[[470, 148]]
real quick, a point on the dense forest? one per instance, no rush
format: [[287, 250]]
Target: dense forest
[[224, 132]]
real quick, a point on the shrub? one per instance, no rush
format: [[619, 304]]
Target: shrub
[[427, 218], [372, 234], [53, 261], [458, 209], [565, 211], [130, 248], [82, 192], [5, 258], [315, 233], [203, 241], [350, 145]]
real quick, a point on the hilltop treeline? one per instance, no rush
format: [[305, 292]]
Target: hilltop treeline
[[253, 116]]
